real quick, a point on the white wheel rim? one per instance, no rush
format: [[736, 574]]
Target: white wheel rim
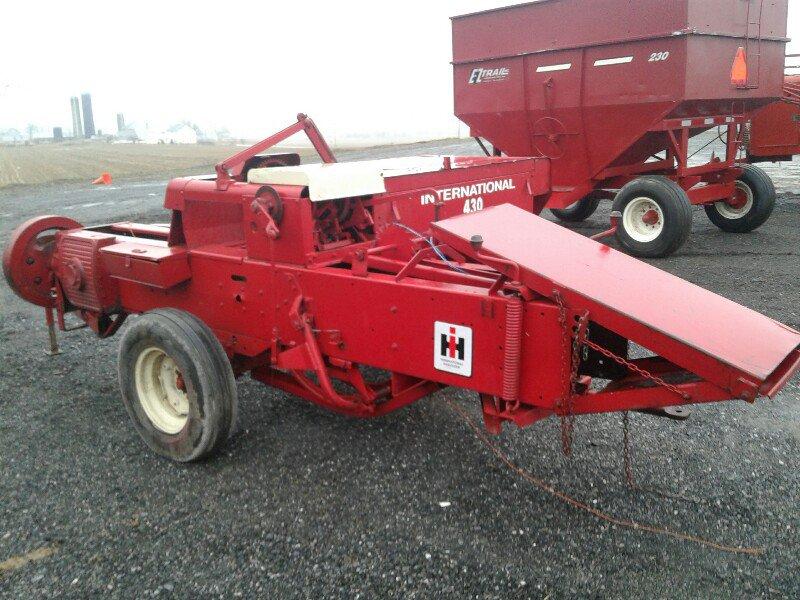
[[157, 385], [635, 224], [730, 212]]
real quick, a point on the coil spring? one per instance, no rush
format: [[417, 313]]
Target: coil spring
[[513, 349]]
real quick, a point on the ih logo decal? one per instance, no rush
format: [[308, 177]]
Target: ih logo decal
[[452, 348]]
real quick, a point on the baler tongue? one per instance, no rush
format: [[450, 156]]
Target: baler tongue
[[726, 344]]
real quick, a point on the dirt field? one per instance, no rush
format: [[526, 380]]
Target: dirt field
[[49, 163], [307, 504]]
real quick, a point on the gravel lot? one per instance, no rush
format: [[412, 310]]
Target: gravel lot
[[305, 503]]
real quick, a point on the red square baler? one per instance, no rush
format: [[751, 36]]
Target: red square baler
[[433, 271]]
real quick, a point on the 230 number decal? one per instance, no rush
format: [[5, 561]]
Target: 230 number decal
[[658, 56]]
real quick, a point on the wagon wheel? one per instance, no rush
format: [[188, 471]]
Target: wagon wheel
[[548, 137], [579, 211], [26, 260], [656, 216], [751, 205]]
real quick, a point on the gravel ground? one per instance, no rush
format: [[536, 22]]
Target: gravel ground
[[305, 503]]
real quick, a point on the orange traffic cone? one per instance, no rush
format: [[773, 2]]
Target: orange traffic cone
[[104, 179]]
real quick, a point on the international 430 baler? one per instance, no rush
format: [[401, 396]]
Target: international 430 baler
[[302, 275]]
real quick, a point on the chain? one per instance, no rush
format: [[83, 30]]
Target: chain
[[572, 357], [565, 403], [628, 466], [636, 369], [592, 510], [626, 449], [577, 341]]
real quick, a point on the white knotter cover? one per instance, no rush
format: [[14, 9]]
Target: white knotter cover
[[345, 180]]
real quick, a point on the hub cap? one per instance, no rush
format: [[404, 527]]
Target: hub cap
[[161, 390], [643, 219], [741, 204]]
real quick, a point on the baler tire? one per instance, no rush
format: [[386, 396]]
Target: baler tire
[[674, 207], [209, 387], [760, 192], [578, 212]]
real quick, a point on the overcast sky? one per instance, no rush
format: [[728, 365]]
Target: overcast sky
[[248, 66]]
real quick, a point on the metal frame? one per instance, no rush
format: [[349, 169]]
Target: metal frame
[[718, 175]]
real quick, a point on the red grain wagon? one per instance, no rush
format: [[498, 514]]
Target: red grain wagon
[[612, 90], [774, 131]]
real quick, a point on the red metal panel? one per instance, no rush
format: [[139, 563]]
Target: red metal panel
[[775, 129], [147, 264], [559, 24], [681, 321], [765, 17], [708, 76]]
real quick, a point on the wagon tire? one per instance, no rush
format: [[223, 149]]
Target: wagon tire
[[177, 385], [755, 188], [580, 211], [656, 217]]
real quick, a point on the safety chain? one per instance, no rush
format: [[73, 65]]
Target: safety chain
[[626, 449], [577, 340], [636, 369], [565, 403]]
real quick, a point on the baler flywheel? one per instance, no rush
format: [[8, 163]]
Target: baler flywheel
[[26, 260]]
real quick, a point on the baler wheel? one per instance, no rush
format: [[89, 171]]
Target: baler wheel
[[580, 211], [753, 206], [177, 385], [656, 217]]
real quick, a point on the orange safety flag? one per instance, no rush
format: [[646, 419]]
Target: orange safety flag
[[104, 179], [739, 69]]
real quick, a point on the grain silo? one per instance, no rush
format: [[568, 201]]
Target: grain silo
[[77, 125], [88, 118]]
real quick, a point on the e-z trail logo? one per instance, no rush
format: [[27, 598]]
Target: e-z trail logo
[[489, 75], [452, 348]]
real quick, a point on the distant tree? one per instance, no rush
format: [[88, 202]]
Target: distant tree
[[31, 129], [194, 126]]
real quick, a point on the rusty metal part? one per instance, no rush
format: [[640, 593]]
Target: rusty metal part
[[675, 413]]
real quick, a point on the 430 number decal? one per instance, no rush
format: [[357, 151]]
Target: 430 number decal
[[472, 205]]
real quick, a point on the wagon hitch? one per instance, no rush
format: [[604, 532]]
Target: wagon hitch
[[612, 231]]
